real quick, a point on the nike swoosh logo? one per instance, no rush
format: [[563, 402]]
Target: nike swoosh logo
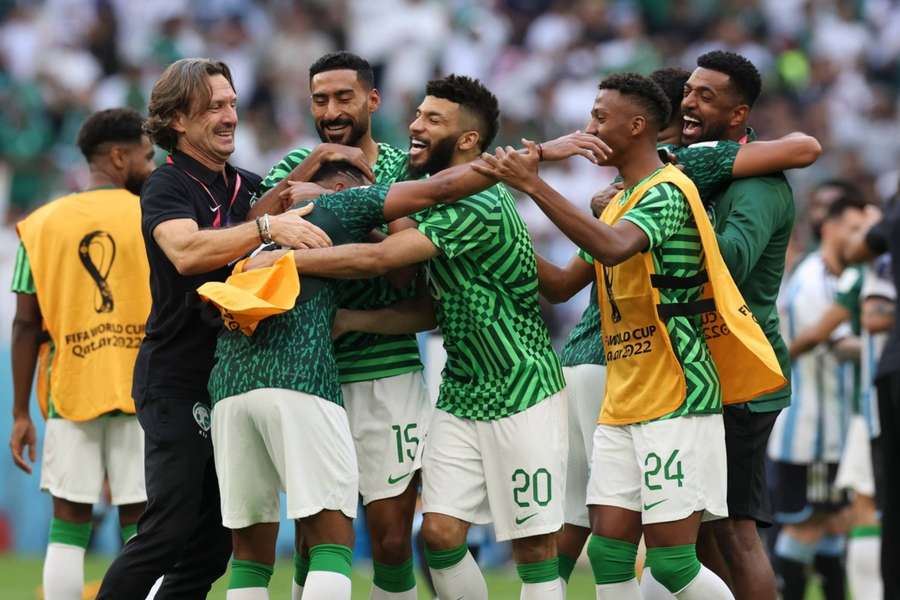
[[216, 209], [392, 480], [521, 520], [651, 505]]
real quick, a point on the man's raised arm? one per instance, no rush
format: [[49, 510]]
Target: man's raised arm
[[409, 197], [793, 151], [559, 284], [358, 261], [278, 199], [609, 245]]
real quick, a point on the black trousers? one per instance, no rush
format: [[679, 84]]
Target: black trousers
[[180, 535], [889, 413]]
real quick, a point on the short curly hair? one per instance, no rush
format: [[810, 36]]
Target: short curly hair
[[474, 97], [647, 94], [335, 61], [182, 87], [743, 75], [113, 125], [671, 81]]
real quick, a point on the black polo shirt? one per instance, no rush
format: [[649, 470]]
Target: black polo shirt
[[176, 355], [885, 237]]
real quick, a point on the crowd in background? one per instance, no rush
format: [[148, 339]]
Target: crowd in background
[[831, 68]]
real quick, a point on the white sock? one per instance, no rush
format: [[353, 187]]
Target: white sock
[[154, 589], [547, 590], [379, 594], [651, 589], [565, 586], [326, 585], [627, 590], [864, 567], [705, 586], [462, 581], [63, 572], [296, 591], [254, 593]]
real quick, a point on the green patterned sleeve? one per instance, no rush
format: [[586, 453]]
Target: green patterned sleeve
[[282, 169], [463, 226], [360, 209], [709, 164], [660, 214], [23, 280]]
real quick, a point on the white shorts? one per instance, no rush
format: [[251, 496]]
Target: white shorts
[[273, 440], [855, 470], [79, 455], [389, 421], [666, 470], [585, 385], [510, 471]]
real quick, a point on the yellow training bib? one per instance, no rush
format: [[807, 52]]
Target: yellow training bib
[[645, 380], [92, 278]]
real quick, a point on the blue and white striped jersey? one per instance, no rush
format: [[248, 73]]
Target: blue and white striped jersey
[[877, 283], [813, 428]]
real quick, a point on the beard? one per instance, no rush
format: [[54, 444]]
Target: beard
[[710, 132], [439, 156], [134, 183], [357, 130]]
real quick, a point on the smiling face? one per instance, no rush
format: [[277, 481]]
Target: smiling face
[[616, 121], [341, 106], [208, 133], [710, 108], [434, 134]]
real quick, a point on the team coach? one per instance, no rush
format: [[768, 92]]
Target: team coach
[[196, 217]]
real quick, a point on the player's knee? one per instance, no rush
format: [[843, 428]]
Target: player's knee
[[534, 549], [738, 540], [130, 513], [442, 533], [612, 560], [71, 512], [673, 566], [391, 547]]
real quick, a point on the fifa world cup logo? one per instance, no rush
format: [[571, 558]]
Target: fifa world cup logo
[[97, 251]]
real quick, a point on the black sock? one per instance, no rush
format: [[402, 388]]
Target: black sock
[[834, 579], [793, 576]]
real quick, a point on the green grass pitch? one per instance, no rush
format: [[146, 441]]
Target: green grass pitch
[[20, 579]]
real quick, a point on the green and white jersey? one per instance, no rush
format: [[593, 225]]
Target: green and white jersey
[[664, 215], [849, 295], [484, 282], [23, 278], [584, 346], [708, 164], [365, 356], [293, 350]]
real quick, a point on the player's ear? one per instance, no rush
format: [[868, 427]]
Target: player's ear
[[468, 140], [177, 122], [638, 124], [118, 156], [374, 100], [739, 115], [338, 186]]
